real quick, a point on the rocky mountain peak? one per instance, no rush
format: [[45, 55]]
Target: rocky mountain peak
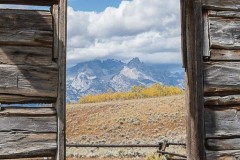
[[99, 76], [135, 63]]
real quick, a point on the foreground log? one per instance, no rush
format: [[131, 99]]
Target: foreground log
[[221, 78], [27, 132], [224, 33], [223, 144], [222, 124], [223, 155], [225, 55], [222, 100], [28, 81], [26, 55]]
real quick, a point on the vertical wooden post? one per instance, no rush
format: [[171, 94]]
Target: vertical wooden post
[[61, 100], [194, 79], [55, 14]]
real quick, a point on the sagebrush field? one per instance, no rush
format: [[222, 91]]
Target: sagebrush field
[[142, 121]]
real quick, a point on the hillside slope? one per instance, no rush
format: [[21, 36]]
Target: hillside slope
[[143, 121]]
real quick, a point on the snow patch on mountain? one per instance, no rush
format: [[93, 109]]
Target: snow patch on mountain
[[100, 76]]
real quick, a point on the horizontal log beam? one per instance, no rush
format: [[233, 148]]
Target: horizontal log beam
[[221, 78], [19, 55], [20, 99], [222, 100], [222, 124], [23, 145], [223, 144], [47, 124], [27, 132], [221, 4], [224, 33], [30, 2], [224, 55], [29, 111], [28, 81], [27, 37], [228, 14], [222, 155], [13, 19]]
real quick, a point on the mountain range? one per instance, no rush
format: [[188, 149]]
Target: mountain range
[[99, 76]]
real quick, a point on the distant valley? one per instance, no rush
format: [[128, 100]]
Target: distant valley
[[98, 76]]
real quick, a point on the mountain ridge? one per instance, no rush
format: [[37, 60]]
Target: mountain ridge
[[98, 76]]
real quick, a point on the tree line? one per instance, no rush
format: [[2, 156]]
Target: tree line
[[136, 92]]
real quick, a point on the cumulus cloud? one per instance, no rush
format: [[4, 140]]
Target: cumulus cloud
[[146, 29]]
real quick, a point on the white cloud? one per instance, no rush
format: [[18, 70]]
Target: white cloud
[[146, 29]]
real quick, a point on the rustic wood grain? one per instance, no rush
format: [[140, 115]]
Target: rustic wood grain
[[28, 124], [30, 2], [224, 33], [206, 51], [55, 12], [194, 104], [221, 78], [32, 81], [229, 14], [33, 112], [222, 124], [221, 4], [13, 19], [183, 34], [20, 99], [61, 99], [222, 100], [25, 55], [223, 155], [225, 55], [223, 144], [21, 145], [26, 38]]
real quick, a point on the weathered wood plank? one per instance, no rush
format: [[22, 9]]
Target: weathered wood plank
[[25, 55], [221, 78], [25, 20], [55, 12], [33, 112], [206, 50], [221, 4], [223, 155], [223, 144], [19, 99], [32, 81], [222, 124], [224, 33], [61, 100], [183, 34], [30, 2], [21, 145], [225, 55], [195, 107], [26, 38], [28, 124], [222, 100], [229, 14]]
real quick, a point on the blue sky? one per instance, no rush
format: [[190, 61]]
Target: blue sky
[[93, 5]]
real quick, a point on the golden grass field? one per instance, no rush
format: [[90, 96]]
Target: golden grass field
[[142, 121]]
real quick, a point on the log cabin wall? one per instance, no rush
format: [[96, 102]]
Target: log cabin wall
[[211, 57], [32, 70]]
